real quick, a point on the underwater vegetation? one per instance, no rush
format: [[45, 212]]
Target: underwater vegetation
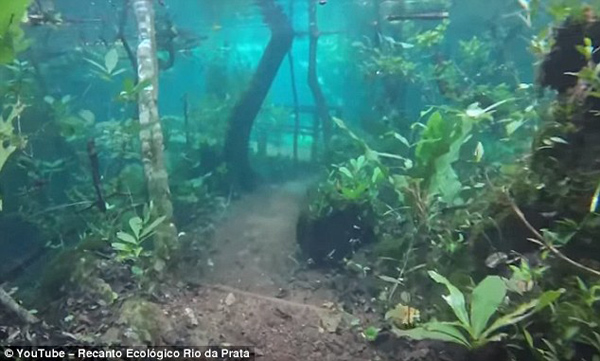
[[356, 179]]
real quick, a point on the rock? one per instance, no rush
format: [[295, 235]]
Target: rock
[[142, 322], [230, 299], [192, 320]]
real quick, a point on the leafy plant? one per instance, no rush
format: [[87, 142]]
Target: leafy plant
[[131, 90], [11, 35], [472, 329], [108, 70], [129, 245], [371, 333], [9, 141]]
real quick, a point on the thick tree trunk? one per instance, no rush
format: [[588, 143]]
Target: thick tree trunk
[[236, 150], [151, 135], [313, 79]]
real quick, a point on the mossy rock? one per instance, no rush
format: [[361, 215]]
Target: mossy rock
[[141, 322], [74, 267]]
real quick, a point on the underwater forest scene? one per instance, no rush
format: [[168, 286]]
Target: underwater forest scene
[[413, 180]]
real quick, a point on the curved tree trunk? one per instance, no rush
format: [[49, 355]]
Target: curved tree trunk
[[236, 150], [151, 136]]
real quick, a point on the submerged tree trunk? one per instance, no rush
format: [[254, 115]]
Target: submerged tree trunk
[[151, 135], [236, 150], [294, 93], [313, 79]]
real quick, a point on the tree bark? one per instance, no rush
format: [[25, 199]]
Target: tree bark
[[241, 120], [151, 135], [313, 79]]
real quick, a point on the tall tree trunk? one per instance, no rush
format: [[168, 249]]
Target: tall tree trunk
[[294, 93], [313, 79], [241, 120], [151, 135]]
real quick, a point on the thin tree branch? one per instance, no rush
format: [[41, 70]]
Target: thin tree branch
[[540, 240]]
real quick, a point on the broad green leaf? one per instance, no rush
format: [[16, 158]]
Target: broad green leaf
[[346, 172], [149, 228], [377, 175], [513, 126], [136, 225], [455, 299], [121, 246], [11, 34], [126, 237], [522, 312], [111, 59], [87, 115], [443, 331], [485, 300]]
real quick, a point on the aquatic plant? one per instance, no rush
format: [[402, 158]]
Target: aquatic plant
[[108, 69], [9, 141], [12, 37], [129, 245], [473, 329]]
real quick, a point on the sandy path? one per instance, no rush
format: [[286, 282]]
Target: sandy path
[[256, 295]]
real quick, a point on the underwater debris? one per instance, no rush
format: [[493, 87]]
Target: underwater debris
[[441, 15]]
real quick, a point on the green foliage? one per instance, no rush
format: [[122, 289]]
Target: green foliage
[[12, 37], [473, 329], [107, 70], [437, 150], [72, 126], [371, 333], [129, 245], [9, 141], [131, 90], [433, 37], [574, 320]]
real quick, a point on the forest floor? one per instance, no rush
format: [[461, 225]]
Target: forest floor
[[250, 290], [257, 294]]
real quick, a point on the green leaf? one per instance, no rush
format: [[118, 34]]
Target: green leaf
[[136, 270], [390, 279], [136, 225], [485, 300], [97, 65], [11, 34], [87, 115], [126, 237], [346, 172], [377, 175], [149, 228], [371, 333], [123, 247], [522, 312], [455, 299], [402, 139], [111, 59], [443, 331]]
